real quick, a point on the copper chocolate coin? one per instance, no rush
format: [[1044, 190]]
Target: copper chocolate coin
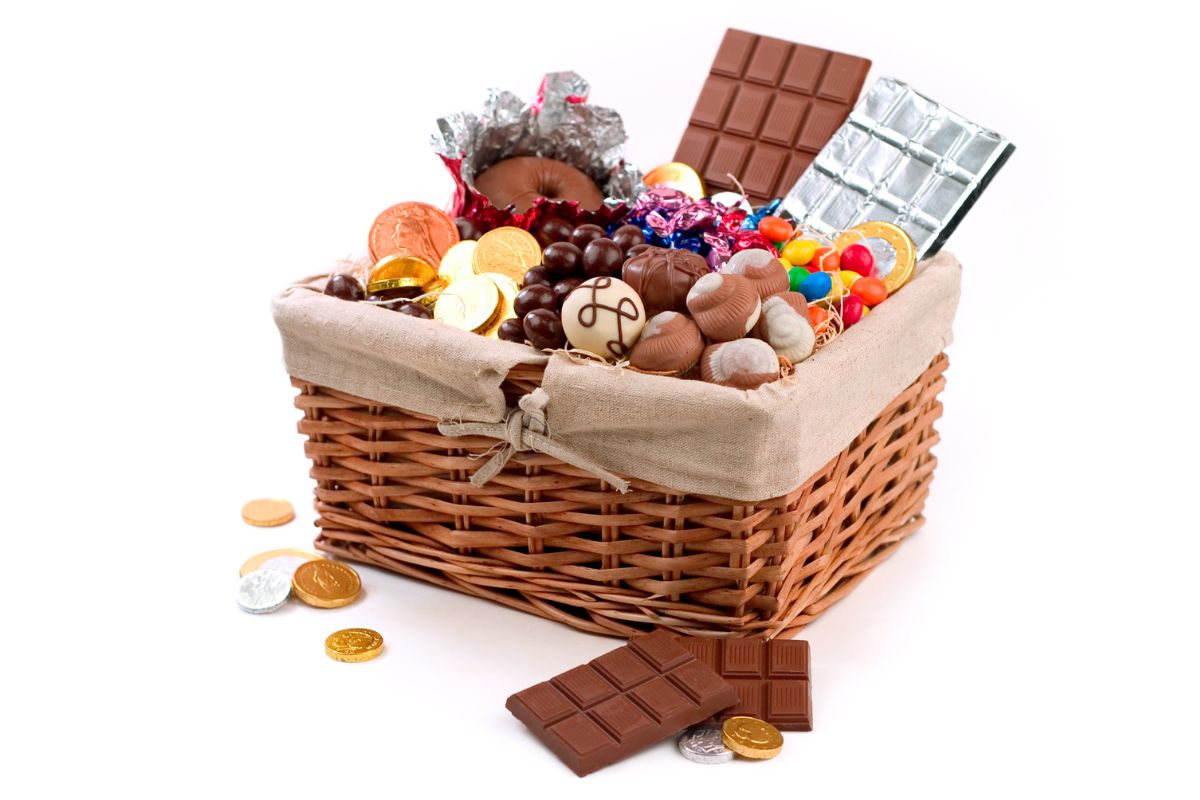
[[415, 229], [267, 512]]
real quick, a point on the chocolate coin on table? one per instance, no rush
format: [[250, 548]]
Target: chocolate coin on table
[[894, 251], [508, 294], [470, 304], [457, 261], [400, 272], [509, 251], [353, 645], [263, 590], [267, 513], [751, 738], [676, 175], [326, 584], [702, 744], [284, 560], [416, 229]]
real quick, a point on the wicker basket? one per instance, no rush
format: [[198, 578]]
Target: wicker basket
[[550, 539]]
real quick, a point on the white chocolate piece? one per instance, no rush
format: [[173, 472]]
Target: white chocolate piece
[[785, 326], [740, 364], [603, 316]]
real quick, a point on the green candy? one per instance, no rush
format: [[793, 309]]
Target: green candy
[[796, 276]]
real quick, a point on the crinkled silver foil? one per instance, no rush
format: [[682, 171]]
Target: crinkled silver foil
[[559, 124], [901, 158]]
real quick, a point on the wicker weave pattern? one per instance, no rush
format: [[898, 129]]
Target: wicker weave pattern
[[549, 539]]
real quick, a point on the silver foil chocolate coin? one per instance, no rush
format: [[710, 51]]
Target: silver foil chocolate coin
[[263, 590], [702, 744]]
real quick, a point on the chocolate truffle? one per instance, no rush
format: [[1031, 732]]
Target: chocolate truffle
[[784, 324], [741, 364], [604, 316], [663, 277], [670, 343], [724, 306], [521, 180]]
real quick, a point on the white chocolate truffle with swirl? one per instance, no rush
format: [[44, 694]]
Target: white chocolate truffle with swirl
[[761, 268], [740, 364], [784, 324], [603, 316], [670, 343], [724, 306]]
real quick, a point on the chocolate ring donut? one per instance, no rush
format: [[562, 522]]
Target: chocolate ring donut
[[521, 180]]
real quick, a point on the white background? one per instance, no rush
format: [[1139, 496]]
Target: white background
[[165, 170]]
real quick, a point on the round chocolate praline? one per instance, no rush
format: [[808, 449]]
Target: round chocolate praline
[[565, 287], [531, 298], [602, 257], [512, 330], [468, 228], [628, 236], [554, 230], [544, 329], [412, 309], [344, 287], [584, 235], [562, 259], [637, 248], [535, 275], [382, 300]]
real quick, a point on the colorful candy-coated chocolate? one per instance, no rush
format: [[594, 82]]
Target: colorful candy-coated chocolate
[[852, 309], [871, 291], [819, 317], [800, 251], [786, 264], [825, 259], [816, 286], [858, 258], [848, 277], [796, 276], [777, 229]]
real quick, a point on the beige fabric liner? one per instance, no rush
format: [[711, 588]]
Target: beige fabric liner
[[691, 436]]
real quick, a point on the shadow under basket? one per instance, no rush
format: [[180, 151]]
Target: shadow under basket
[[553, 540]]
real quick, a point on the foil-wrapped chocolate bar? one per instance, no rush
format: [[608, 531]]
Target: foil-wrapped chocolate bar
[[902, 158]]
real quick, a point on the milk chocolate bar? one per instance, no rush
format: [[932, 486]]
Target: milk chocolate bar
[[766, 110], [771, 678], [613, 706]]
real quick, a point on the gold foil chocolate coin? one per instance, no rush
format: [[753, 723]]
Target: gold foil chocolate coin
[[353, 645], [509, 251], [751, 738], [415, 229], [267, 512], [508, 295], [894, 251], [457, 261], [284, 560], [400, 272], [469, 304], [326, 584], [676, 175]]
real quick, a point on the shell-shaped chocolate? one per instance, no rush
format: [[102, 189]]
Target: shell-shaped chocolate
[[603, 316], [671, 342], [724, 306], [762, 268], [785, 325], [741, 364], [662, 277]]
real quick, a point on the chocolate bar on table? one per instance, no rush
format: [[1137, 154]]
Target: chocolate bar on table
[[766, 109], [615, 705], [771, 678]]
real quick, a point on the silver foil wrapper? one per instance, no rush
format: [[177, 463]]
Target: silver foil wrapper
[[558, 124], [902, 158]]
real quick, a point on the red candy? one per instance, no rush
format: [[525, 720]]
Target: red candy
[[852, 309], [777, 229], [871, 291], [825, 259], [858, 258]]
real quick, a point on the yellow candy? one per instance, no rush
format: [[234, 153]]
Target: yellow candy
[[786, 264], [836, 287], [849, 277], [800, 251]]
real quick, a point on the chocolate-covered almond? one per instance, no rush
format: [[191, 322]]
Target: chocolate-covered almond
[[784, 324], [670, 342], [663, 277], [724, 306], [761, 268], [741, 364]]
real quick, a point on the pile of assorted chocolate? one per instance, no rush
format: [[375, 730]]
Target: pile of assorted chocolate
[[553, 240]]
